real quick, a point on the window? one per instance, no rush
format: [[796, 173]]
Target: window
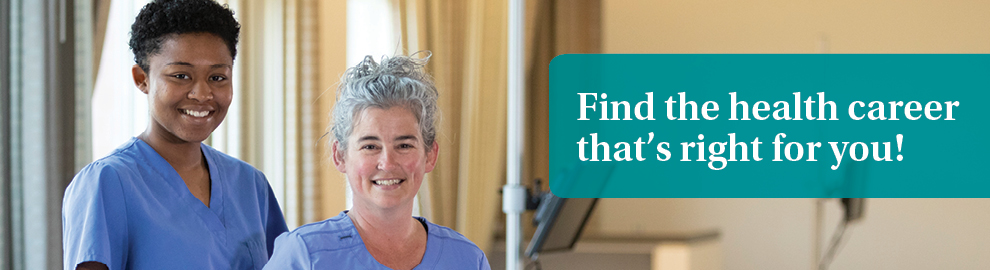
[[120, 110]]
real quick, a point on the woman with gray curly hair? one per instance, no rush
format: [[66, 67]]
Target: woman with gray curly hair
[[384, 135]]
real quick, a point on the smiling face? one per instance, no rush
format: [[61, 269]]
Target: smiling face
[[385, 159], [188, 86]]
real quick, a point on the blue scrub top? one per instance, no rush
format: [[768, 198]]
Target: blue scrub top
[[335, 244], [131, 210]]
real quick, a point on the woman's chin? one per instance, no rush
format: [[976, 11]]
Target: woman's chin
[[392, 203]]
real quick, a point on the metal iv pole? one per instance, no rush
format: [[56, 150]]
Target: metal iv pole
[[513, 193]]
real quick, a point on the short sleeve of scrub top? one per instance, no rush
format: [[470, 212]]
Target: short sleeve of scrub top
[[131, 210], [335, 244]]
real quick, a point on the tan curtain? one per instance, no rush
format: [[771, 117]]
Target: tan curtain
[[439, 28], [483, 128], [468, 40], [316, 31], [553, 28], [558, 27], [292, 53], [331, 44]]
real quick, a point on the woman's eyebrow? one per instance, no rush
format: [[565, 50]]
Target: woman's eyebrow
[[188, 64], [369, 137]]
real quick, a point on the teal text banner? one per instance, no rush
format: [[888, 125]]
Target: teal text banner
[[769, 126]]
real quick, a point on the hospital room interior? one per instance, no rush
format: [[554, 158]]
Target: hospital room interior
[[67, 99]]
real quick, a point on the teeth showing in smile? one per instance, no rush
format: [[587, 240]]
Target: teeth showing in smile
[[387, 182], [196, 113]]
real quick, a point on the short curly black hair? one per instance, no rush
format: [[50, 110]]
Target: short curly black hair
[[161, 19]]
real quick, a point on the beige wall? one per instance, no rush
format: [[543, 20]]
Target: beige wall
[[782, 26], [754, 233], [780, 233], [332, 29]]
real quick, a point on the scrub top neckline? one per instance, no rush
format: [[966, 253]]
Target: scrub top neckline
[[212, 216], [430, 256]]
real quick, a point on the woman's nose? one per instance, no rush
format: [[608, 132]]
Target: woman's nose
[[201, 91], [386, 161]]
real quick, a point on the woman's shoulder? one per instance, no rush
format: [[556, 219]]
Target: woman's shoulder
[[324, 241], [119, 163], [456, 250], [106, 176], [227, 161], [96, 175], [449, 235], [127, 155], [331, 234], [339, 223], [236, 171]]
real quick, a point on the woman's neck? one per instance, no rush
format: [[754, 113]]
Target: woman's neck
[[182, 156], [391, 224], [187, 159], [392, 236]]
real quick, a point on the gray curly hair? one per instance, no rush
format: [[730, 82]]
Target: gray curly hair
[[395, 81]]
